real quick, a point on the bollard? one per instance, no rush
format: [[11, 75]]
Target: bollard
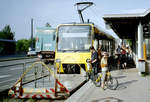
[[56, 87], [144, 51], [20, 89], [24, 69], [35, 73]]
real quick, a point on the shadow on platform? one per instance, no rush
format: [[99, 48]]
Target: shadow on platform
[[124, 85], [108, 99]]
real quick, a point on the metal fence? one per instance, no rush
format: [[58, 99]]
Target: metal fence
[[11, 71]]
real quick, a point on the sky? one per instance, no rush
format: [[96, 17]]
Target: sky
[[18, 13]]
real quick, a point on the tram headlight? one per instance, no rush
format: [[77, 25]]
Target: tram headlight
[[58, 60], [40, 56]]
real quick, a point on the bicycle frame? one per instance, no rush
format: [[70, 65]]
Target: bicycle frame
[[108, 74]]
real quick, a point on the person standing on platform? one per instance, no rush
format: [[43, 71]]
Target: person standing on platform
[[118, 53], [104, 67], [94, 61]]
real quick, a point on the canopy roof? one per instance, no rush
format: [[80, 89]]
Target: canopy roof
[[125, 25]]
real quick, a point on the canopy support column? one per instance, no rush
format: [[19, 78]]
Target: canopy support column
[[141, 61], [140, 41]]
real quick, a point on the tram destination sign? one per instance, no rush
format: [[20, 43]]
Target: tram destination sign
[[147, 36], [146, 30]]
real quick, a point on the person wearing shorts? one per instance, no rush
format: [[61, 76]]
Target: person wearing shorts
[[104, 67]]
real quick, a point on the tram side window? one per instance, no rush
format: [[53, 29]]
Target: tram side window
[[147, 42], [103, 45], [96, 44]]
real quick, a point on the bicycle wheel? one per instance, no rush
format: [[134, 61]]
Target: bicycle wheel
[[97, 82], [112, 83], [87, 76]]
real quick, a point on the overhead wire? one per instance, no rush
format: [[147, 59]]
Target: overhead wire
[[95, 13], [99, 17]]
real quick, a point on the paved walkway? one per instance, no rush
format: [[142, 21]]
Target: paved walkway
[[132, 88]]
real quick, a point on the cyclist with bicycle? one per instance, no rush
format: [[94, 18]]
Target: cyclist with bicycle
[[104, 67], [104, 79]]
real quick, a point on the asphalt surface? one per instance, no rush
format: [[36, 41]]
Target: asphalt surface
[[132, 88], [3, 57], [10, 71]]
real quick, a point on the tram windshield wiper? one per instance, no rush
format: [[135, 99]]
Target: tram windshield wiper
[[80, 50], [66, 50], [63, 50], [77, 50], [73, 50]]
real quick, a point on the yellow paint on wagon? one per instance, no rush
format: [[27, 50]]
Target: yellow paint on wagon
[[72, 58]]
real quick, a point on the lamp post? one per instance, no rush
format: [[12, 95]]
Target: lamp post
[[31, 33]]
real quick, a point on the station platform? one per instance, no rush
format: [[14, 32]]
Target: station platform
[[71, 82], [43, 82], [132, 88]]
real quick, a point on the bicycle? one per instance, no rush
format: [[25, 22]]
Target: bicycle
[[90, 74], [110, 82]]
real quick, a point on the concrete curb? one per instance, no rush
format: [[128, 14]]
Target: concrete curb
[[79, 93]]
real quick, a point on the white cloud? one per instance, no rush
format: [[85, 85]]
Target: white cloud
[[142, 10]]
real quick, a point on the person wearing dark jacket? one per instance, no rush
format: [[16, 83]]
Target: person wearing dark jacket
[[94, 61]]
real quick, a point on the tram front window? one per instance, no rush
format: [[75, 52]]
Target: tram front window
[[74, 38]]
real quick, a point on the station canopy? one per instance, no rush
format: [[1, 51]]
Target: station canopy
[[125, 25]]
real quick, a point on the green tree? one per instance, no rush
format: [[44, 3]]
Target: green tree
[[7, 47], [8, 33], [24, 44], [30, 41]]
